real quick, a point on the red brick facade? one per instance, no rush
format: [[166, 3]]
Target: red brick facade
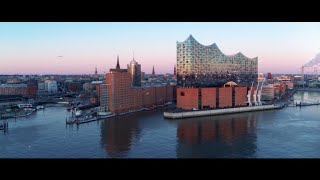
[[32, 89], [73, 87], [123, 97], [240, 97], [208, 98], [98, 89], [161, 95], [225, 97], [13, 90], [187, 98]]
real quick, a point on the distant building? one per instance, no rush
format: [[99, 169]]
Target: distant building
[[96, 87], [73, 87], [279, 89], [261, 78], [268, 92], [41, 88], [52, 86], [13, 89], [13, 81], [142, 75], [87, 87], [284, 79], [134, 68], [104, 98], [269, 76], [32, 89]]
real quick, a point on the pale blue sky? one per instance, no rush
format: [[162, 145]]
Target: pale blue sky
[[33, 47]]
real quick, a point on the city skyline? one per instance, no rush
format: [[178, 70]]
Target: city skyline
[[77, 48]]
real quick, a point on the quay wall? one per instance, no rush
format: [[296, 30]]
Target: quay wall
[[188, 114]]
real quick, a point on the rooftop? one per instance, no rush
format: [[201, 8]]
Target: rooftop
[[12, 85]]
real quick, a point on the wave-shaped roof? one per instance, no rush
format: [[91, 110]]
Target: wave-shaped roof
[[214, 45]]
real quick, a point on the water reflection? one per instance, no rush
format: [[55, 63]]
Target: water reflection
[[118, 135], [217, 136]]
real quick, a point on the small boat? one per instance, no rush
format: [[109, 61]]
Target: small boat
[[29, 109], [40, 107], [25, 105], [78, 113]]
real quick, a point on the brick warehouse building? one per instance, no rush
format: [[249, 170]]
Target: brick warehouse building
[[13, 89], [211, 98], [123, 97]]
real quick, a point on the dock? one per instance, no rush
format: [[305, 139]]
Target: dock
[[199, 113], [4, 125], [93, 116], [301, 104]]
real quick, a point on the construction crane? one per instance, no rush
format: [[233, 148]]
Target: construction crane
[[249, 95]]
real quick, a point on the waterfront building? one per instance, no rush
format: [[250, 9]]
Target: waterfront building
[[207, 66], [124, 97], [41, 87], [104, 98], [13, 89], [142, 76], [268, 92], [211, 97], [96, 87], [209, 79], [279, 89], [52, 86], [32, 89]]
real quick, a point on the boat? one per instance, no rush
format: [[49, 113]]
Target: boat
[[25, 106], [39, 107], [28, 109], [78, 112]]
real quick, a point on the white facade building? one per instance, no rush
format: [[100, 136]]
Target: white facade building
[[52, 86]]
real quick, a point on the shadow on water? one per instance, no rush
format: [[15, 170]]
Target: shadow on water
[[217, 136], [118, 134]]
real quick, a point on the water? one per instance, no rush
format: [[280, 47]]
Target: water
[[291, 132]]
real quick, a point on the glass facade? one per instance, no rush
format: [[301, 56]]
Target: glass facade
[[207, 66]]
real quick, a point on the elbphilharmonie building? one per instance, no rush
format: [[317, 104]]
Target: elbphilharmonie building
[[206, 66]]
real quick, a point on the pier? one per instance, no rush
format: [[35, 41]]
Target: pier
[[307, 103], [4, 125], [199, 113]]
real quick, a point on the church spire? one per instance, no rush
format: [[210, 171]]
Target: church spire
[[118, 65], [153, 74]]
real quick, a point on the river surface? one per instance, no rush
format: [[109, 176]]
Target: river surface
[[292, 132]]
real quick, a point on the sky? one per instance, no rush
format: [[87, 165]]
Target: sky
[[34, 48]]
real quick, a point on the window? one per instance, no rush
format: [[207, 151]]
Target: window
[[182, 94]]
